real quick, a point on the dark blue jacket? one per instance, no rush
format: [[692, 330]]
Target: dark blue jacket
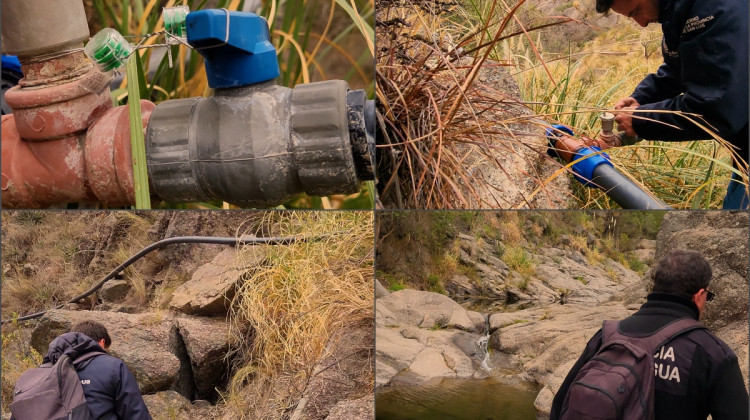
[[705, 71], [710, 376], [111, 390]]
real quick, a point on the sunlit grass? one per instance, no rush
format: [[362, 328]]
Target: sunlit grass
[[286, 311], [440, 121], [589, 81]]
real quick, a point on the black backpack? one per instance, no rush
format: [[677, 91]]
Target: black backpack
[[51, 392], [618, 382]]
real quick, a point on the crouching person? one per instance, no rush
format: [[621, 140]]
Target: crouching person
[[661, 362], [79, 380]]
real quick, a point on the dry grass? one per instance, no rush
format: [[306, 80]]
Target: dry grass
[[42, 259], [446, 123], [440, 117], [590, 79], [17, 357], [76, 249], [286, 312]]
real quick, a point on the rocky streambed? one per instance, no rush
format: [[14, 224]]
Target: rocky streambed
[[428, 346]]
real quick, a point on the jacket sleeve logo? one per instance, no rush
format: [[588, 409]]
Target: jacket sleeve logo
[[695, 23]]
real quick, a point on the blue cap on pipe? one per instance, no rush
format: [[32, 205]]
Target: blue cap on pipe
[[584, 169], [11, 62], [236, 46]]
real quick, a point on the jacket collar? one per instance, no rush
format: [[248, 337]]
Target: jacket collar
[[674, 302]]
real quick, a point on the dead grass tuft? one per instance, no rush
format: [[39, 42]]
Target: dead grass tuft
[[284, 315], [444, 127]]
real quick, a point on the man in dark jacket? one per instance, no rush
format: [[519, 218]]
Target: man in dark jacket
[[705, 72], [696, 373], [111, 390]]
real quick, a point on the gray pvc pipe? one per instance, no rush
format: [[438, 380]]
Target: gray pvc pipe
[[623, 191]]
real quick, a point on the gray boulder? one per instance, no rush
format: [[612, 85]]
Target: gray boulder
[[212, 286], [168, 405], [114, 290], [380, 291], [412, 356], [207, 342], [422, 309]]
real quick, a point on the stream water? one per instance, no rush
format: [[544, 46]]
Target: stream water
[[459, 399]]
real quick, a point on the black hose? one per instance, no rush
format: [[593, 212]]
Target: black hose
[[217, 240], [623, 191]]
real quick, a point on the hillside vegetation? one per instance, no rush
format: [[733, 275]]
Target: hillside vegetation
[[421, 250], [294, 310]]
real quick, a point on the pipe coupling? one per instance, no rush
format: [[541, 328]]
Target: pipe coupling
[[320, 138], [256, 146]]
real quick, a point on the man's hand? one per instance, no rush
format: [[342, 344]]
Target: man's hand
[[624, 121], [626, 102]]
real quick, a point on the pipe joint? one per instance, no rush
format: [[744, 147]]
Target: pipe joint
[[259, 145], [591, 158]]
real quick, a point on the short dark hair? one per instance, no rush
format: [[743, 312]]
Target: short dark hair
[[603, 6], [94, 330], [682, 273]]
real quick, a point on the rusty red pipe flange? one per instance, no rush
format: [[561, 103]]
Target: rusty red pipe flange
[[41, 174], [56, 111], [109, 162], [96, 166]]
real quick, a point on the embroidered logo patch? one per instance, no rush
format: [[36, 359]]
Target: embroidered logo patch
[[667, 52], [695, 23]]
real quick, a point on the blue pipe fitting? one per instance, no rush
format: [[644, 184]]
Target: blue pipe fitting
[[10, 62], [236, 46], [584, 169]]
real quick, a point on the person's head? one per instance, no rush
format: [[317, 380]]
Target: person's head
[[95, 331], [641, 11], [684, 273]]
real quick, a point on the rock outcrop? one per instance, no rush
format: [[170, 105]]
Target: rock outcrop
[[164, 352], [421, 336], [114, 290], [207, 342], [424, 310], [212, 286], [146, 342], [170, 405], [569, 297]]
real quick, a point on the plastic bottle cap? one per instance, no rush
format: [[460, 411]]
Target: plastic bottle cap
[[108, 49], [174, 23]]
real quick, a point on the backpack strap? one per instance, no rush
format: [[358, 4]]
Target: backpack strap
[[60, 365], [611, 333]]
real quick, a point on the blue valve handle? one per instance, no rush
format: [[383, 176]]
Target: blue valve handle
[[236, 46], [584, 169]]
